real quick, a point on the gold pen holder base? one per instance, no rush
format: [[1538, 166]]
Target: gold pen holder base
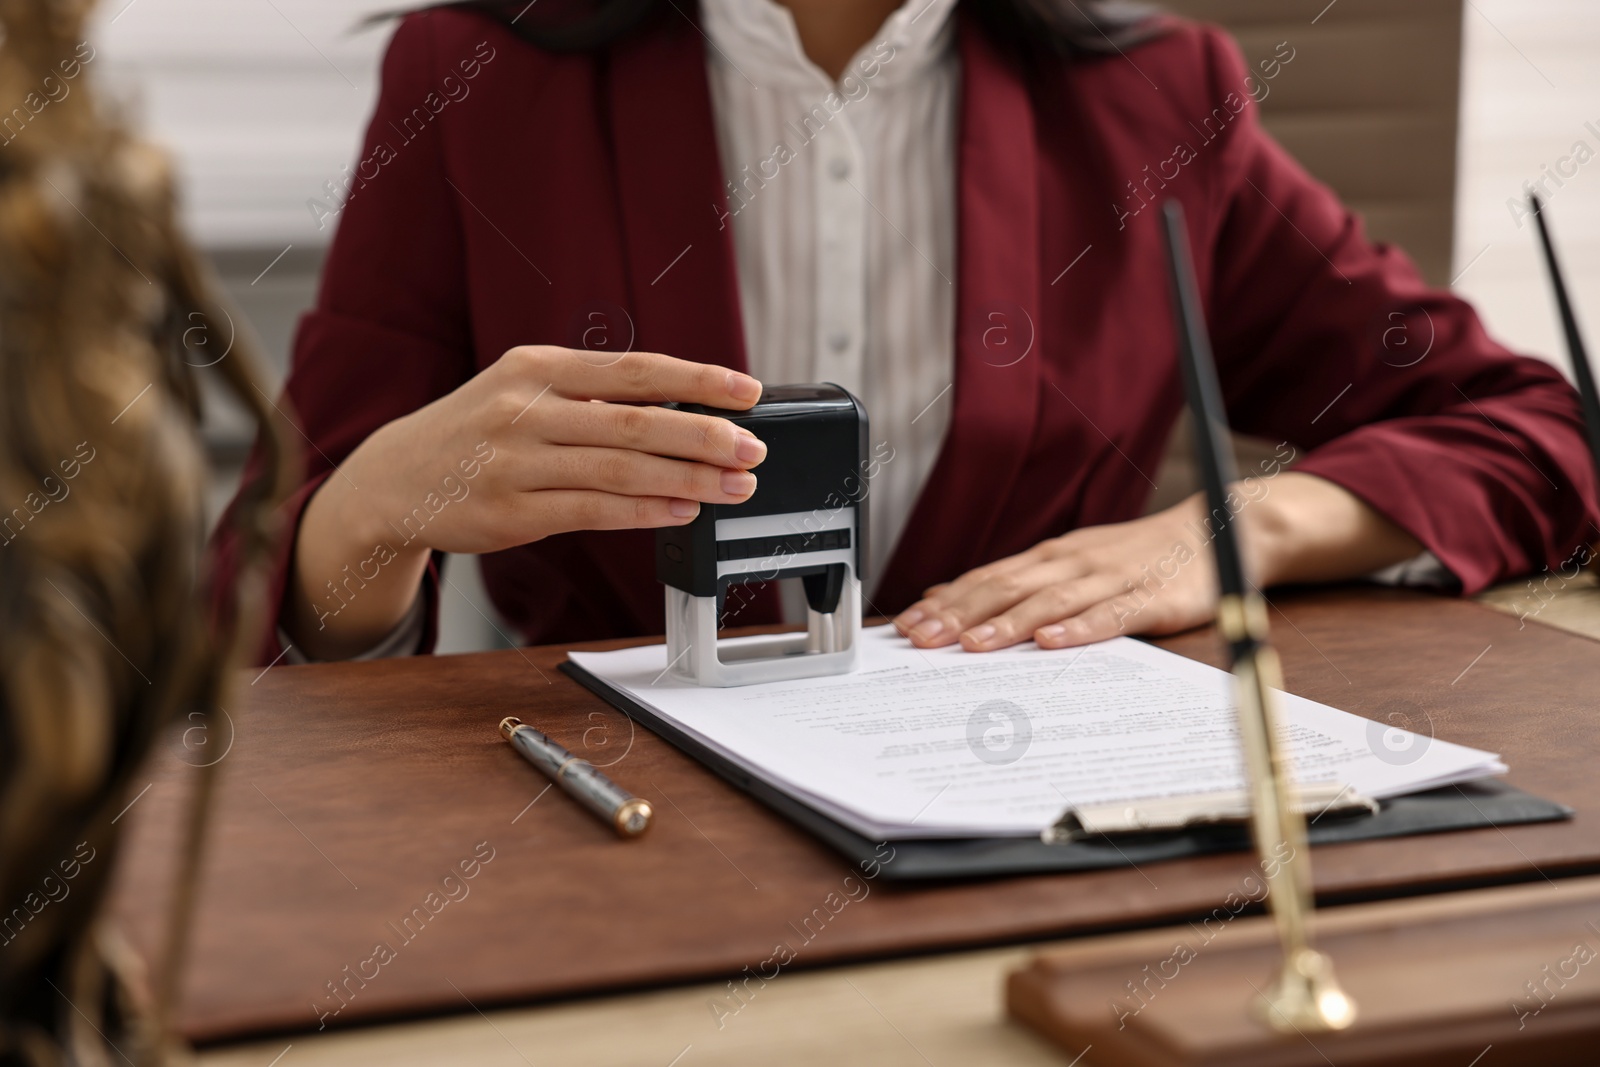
[[1439, 979], [1306, 998]]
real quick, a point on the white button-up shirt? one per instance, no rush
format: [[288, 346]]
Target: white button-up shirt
[[842, 202]]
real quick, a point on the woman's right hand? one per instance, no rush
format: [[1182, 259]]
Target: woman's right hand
[[544, 441]]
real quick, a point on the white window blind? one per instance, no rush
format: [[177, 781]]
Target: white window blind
[[261, 101]]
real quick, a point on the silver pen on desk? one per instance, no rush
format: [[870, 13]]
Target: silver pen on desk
[[628, 815]]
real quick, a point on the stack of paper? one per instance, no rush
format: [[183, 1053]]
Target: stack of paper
[[946, 743]]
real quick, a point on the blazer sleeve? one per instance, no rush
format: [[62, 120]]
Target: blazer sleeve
[[390, 331], [1335, 344]]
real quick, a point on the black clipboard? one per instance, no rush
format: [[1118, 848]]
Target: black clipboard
[[1473, 805]]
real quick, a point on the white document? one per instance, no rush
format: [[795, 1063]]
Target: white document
[[946, 743]]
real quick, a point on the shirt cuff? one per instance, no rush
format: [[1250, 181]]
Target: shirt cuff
[[404, 640], [1422, 570]]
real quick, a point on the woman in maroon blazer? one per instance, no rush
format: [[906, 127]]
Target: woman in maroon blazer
[[523, 214]]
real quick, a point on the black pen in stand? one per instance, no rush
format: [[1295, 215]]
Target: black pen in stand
[[1582, 373], [1305, 997]]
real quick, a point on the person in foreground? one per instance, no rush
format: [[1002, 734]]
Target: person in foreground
[[559, 220]]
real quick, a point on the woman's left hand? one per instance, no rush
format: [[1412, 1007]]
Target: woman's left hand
[[1155, 575]]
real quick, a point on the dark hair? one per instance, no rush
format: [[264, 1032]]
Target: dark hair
[[1027, 28]]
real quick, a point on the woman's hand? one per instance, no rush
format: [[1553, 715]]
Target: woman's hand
[[544, 441], [1155, 575]]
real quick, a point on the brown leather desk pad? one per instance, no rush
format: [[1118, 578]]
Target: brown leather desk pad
[[349, 792]]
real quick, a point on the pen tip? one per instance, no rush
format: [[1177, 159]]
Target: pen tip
[[508, 726]]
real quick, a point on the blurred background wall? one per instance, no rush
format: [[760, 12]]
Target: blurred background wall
[[263, 102]]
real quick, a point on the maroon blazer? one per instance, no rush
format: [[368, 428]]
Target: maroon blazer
[[507, 196]]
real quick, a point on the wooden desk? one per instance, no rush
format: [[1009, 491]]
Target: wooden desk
[[1399, 652]]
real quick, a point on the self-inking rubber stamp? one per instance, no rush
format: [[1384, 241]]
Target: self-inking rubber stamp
[[806, 519]]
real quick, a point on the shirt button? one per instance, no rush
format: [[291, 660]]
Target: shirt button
[[839, 341], [839, 166]]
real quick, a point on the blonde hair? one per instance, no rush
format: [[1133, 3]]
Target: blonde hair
[[105, 638]]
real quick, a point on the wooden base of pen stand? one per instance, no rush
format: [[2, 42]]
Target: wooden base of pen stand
[[1486, 978]]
